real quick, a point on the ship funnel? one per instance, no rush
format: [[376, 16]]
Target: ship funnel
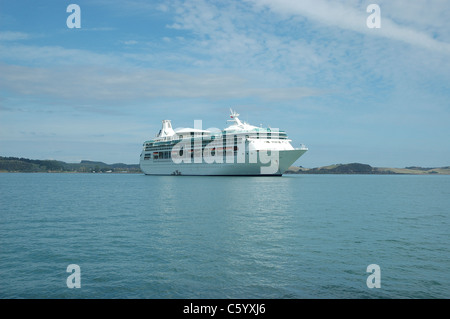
[[166, 129]]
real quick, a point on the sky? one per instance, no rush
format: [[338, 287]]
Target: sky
[[313, 68]]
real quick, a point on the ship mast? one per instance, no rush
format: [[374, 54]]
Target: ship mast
[[234, 115]]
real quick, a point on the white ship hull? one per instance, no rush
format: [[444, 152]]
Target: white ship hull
[[285, 160]]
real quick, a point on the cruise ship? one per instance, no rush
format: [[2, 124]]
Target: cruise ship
[[240, 149]]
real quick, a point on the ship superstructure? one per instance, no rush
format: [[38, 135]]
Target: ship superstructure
[[239, 149]]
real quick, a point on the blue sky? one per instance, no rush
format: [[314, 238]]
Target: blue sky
[[312, 68]]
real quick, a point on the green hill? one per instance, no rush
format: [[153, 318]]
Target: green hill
[[16, 164]]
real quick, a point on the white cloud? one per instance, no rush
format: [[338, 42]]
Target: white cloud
[[227, 51], [53, 56], [130, 42], [13, 36], [353, 17], [110, 84]]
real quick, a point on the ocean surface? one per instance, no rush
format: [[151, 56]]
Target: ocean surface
[[290, 237]]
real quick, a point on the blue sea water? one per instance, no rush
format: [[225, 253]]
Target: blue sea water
[[296, 236]]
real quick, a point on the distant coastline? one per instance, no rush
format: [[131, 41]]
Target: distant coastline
[[25, 165], [358, 168]]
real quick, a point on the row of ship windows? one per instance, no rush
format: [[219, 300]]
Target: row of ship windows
[[236, 139], [163, 148], [257, 135], [169, 147], [168, 155], [204, 143]]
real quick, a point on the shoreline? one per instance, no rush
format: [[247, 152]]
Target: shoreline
[[25, 165], [365, 169]]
